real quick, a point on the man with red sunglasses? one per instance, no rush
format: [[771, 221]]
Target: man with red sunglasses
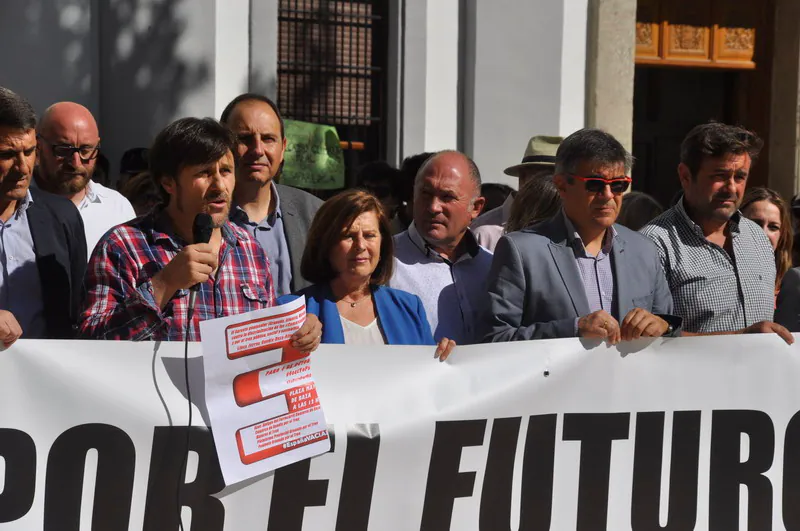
[[580, 274]]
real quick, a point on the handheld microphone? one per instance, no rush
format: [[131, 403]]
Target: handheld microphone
[[202, 228]]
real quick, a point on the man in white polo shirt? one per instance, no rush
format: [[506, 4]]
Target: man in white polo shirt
[[438, 258], [68, 145]]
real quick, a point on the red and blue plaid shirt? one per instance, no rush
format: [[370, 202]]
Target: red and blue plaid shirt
[[120, 302]]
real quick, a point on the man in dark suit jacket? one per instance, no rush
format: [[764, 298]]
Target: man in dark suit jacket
[[277, 216], [43, 247], [580, 274]]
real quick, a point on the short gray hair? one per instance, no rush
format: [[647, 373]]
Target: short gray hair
[[592, 145], [15, 111]]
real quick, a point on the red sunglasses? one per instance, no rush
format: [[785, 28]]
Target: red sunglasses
[[597, 183]]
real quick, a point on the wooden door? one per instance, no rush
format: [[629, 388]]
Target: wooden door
[[697, 61]]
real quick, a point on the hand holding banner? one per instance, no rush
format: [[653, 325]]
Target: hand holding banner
[[553, 434]]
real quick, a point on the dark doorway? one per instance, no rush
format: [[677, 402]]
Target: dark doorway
[[668, 103]]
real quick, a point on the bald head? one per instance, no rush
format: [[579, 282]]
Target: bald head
[[446, 200], [68, 147], [453, 161], [66, 115]]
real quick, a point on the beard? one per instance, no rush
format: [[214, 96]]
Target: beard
[[63, 181], [218, 219], [721, 212], [71, 183]]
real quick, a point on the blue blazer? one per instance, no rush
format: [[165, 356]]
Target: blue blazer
[[401, 315]]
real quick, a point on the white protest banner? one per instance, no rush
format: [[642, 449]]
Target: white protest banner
[[260, 392], [686, 433]]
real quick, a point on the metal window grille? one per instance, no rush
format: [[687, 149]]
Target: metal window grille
[[331, 70]]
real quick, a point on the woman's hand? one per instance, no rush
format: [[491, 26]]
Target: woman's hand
[[444, 348], [308, 338]]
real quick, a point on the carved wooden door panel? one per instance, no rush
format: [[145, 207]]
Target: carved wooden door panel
[[717, 56], [701, 33]]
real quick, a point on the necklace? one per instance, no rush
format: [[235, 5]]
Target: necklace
[[354, 303]]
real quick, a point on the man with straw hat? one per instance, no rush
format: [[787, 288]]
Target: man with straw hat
[[538, 161]]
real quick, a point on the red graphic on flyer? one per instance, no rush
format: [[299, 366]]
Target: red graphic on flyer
[[266, 333], [267, 417]]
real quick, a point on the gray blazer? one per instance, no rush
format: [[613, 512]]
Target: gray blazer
[[536, 292], [298, 209], [787, 312]]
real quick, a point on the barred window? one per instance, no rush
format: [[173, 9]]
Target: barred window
[[331, 70]]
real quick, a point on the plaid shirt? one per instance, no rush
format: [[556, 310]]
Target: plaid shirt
[[120, 302], [714, 291]]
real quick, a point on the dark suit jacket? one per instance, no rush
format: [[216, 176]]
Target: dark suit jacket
[[298, 209], [536, 291], [787, 312], [57, 231]]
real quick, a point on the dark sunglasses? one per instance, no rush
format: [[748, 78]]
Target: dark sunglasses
[[65, 151], [597, 183]]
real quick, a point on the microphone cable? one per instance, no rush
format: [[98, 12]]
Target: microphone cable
[[202, 228], [185, 459]]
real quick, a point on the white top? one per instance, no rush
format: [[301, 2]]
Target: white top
[[453, 293], [355, 334], [101, 209]]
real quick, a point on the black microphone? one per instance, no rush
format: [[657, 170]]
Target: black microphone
[[202, 228]]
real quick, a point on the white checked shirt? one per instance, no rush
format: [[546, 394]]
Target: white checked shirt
[[713, 291]]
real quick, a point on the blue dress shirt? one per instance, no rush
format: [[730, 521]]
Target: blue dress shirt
[[270, 235], [20, 286]]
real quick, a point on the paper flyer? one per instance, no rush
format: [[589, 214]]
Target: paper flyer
[[261, 396]]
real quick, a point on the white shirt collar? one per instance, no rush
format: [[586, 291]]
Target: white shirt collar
[[91, 193], [94, 194]]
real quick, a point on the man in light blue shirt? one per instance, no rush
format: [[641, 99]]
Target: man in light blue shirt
[[269, 233], [279, 217], [42, 242], [20, 288], [438, 258]]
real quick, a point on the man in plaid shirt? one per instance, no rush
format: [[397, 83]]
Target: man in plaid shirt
[[141, 272]]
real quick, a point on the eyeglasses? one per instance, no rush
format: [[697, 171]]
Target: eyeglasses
[[65, 151], [597, 183]]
